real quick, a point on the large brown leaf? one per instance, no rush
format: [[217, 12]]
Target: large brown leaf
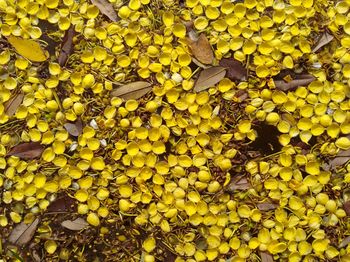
[[28, 150], [12, 105], [67, 46], [201, 49], [323, 40], [235, 69], [298, 80], [132, 90], [106, 8], [209, 78], [23, 233]]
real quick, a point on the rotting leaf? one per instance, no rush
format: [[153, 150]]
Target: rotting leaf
[[238, 183], [74, 129], [12, 105], [323, 40], [67, 46], [209, 78], [346, 207], [345, 242], [235, 69], [266, 206], [28, 150], [266, 257], [106, 8], [23, 233], [299, 80], [28, 48], [201, 48], [340, 159], [132, 90], [76, 225]]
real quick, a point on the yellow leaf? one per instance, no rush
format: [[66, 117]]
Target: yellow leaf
[[29, 49]]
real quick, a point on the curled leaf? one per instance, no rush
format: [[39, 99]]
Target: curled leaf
[[201, 49], [298, 80], [67, 46], [133, 90], [12, 105], [323, 40], [74, 129], [106, 8], [23, 233], [28, 150], [235, 69], [28, 48], [209, 78], [76, 225]]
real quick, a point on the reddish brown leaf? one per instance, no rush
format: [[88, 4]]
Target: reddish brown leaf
[[28, 150], [235, 69], [201, 49], [62, 204], [266, 206], [12, 105], [67, 46], [346, 207], [266, 257], [323, 40], [299, 80]]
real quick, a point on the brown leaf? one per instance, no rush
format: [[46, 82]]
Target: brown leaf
[[67, 46], [299, 80], [132, 90], [238, 183], [28, 150], [74, 129], [323, 40], [266, 206], [345, 242], [209, 78], [106, 8], [62, 204], [266, 257], [346, 207], [340, 159], [201, 49], [76, 225], [12, 105], [23, 233], [235, 69]]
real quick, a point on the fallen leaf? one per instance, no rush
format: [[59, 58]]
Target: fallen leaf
[[132, 90], [346, 207], [23, 233], [12, 105], [67, 46], [345, 242], [299, 80], [28, 48], [28, 150], [340, 159], [238, 183], [106, 8], [266, 257], [235, 69], [201, 49], [266, 206], [323, 40], [62, 204], [76, 225], [209, 78], [74, 129]]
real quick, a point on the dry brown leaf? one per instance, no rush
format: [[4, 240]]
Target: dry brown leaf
[[299, 80], [266, 206], [76, 225], [23, 233], [340, 159], [133, 90], [209, 78], [201, 49], [28, 150], [74, 129], [106, 8], [235, 69], [67, 46], [266, 257], [12, 105], [346, 207], [238, 183], [345, 242], [323, 40]]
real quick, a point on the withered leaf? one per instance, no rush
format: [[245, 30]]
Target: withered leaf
[[235, 69], [67, 46], [346, 207], [132, 90], [28, 150], [340, 159], [74, 129], [23, 233], [106, 8], [299, 80], [238, 183], [12, 105], [201, 49], [323, 40], [209, 78], [345, 242], [266, 206], [76, 225], [266, 257]]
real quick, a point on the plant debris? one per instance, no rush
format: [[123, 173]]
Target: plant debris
[[28, 150], [209, 78]]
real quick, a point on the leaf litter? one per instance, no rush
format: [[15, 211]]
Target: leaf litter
[[209, 78], [286, 84], [29, 150], [67, 46], [106, 8], [235, 69], [23, 233], [12, 105], [323, 40], [75, 225], [75, 128], [132, 90], [200, 48]]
